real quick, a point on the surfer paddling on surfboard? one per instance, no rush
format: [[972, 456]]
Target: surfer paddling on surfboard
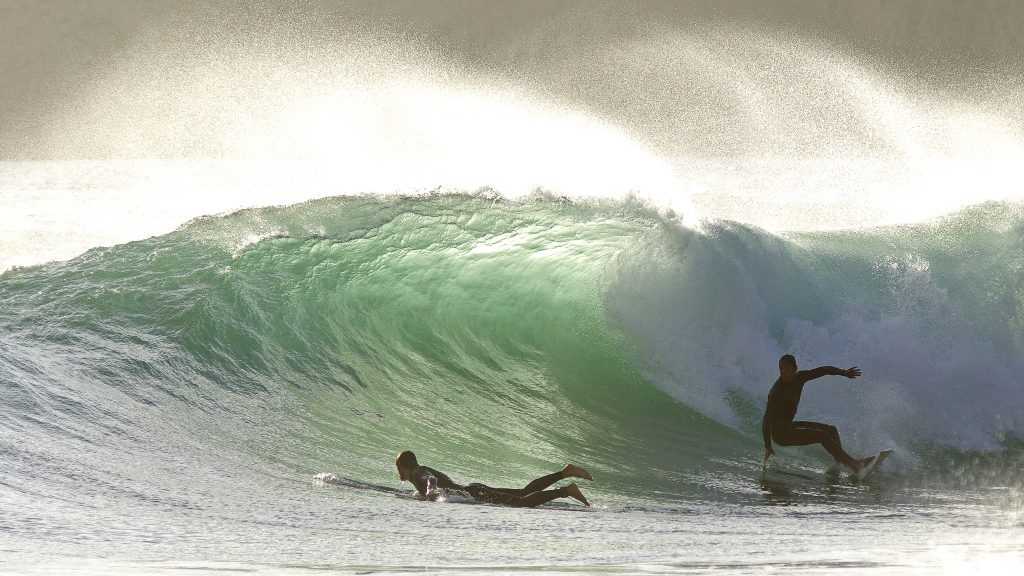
[[783, 400], [428, 481]]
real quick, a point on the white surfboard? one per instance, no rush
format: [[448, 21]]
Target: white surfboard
[[868, 468]]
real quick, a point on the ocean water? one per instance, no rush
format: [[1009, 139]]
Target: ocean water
[[228, 397]]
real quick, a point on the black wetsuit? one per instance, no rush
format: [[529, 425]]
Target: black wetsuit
[[778, 423], [533, 494]]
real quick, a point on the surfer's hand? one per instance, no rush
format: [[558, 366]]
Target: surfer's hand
[[851, 372]]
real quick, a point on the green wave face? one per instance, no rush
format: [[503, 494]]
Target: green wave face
[[470, 330], [500, 340]]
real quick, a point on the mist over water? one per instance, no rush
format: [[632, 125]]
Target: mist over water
[[709, 120]]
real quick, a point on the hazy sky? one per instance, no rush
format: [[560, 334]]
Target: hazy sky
[[112, 78]]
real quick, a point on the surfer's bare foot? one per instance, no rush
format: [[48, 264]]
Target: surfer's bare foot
[[574, 471], [574, 491]]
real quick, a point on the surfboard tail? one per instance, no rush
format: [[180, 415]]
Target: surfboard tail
[[868, 468]]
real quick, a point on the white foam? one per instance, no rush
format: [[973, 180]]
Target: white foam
[[327, 478]]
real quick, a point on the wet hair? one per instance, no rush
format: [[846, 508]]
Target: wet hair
[[787, 359], [406, 459]]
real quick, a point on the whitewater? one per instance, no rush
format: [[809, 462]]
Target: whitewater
[[283, 265]]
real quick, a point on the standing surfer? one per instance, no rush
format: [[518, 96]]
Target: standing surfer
[[428, 481], [783, 400]]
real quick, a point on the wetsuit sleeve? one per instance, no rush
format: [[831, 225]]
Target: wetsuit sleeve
[[820, 371], [443, 481], [446, 482], [419, 479]]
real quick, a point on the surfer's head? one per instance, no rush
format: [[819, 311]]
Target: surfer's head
[[787, 364], [405, 462]]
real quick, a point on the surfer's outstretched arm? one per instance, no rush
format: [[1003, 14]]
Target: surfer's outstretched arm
[[807, 375]]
